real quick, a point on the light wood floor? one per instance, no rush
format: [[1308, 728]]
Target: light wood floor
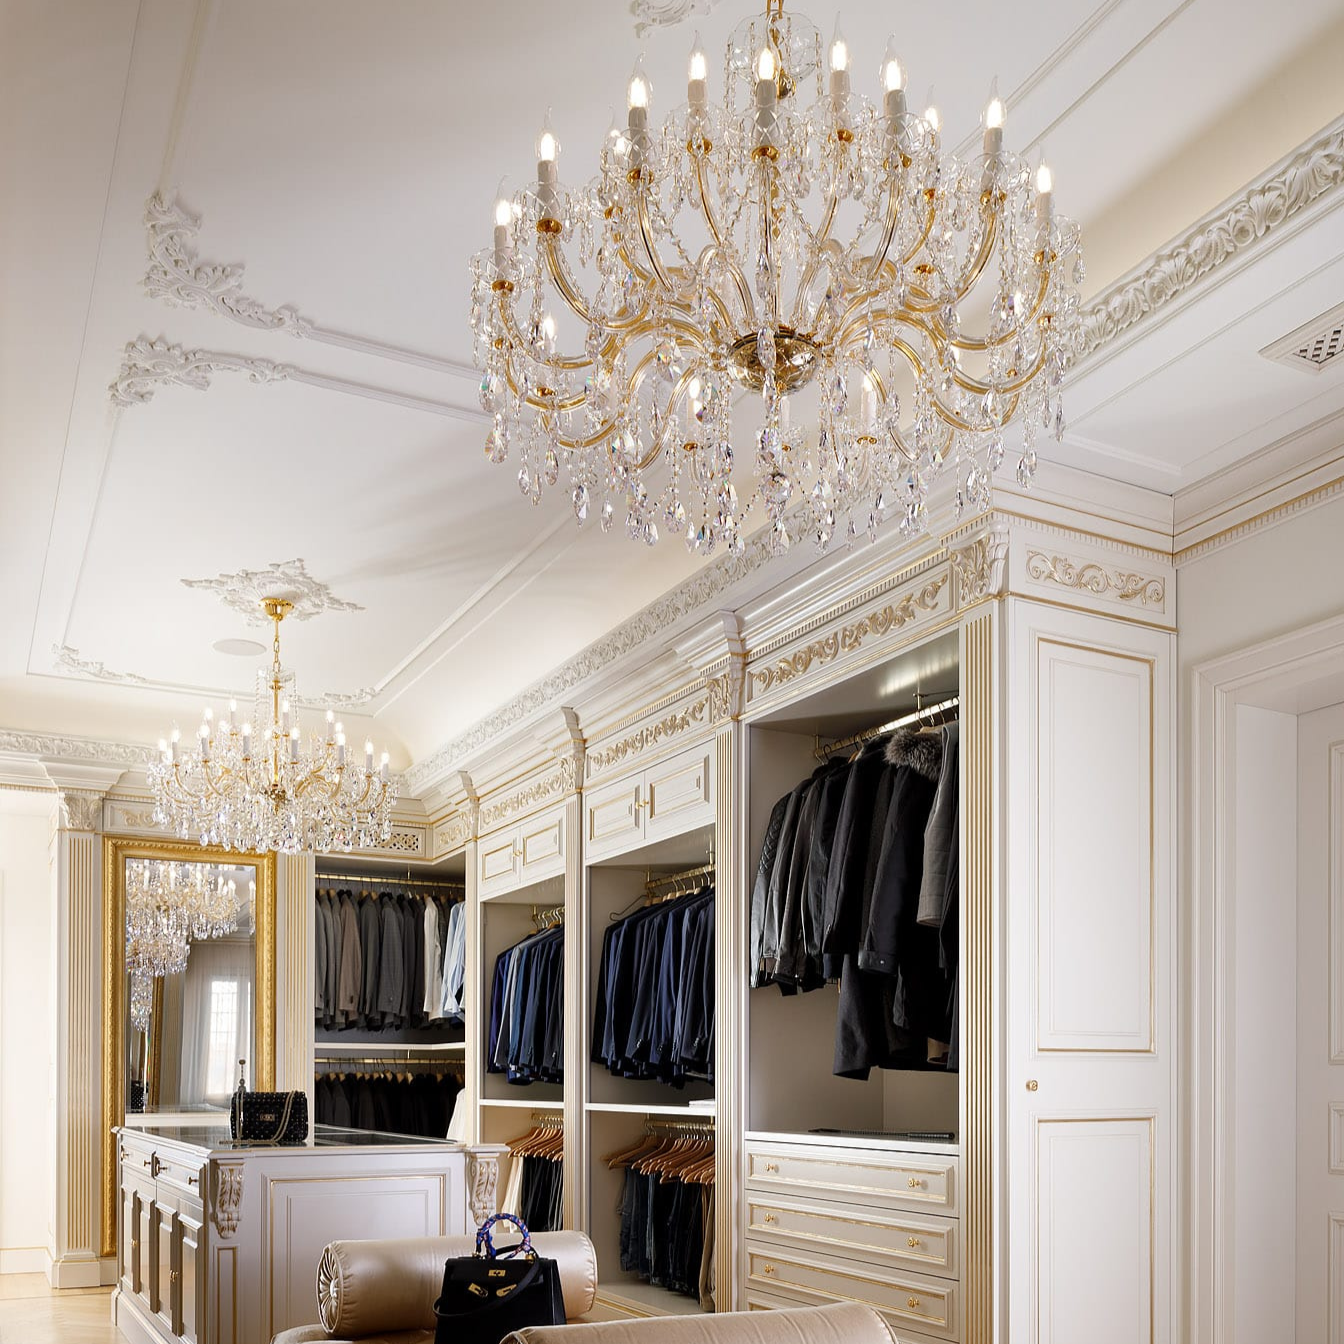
[[32, 1312]]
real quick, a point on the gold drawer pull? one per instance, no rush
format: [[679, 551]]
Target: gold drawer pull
[[768, 1270], [191, 1180], [915, 1182], [772, 1166], [173, 1276], [135, 1243], [912, 1303], [769, 1218], [146, 1162], [912, 1242]]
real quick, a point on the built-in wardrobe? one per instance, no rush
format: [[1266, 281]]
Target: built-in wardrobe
[[1008, 1174]]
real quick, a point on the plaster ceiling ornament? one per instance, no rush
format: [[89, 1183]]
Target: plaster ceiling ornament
[[69, 662], [823, 257], [272, 793], [650, 14], [1269, 202], [177, 277], [245, 592], [148, 365]]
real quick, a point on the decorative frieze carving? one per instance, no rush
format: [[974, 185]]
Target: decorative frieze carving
[[1265, 205], [694, 715], [148, 365], [850, 637], [81, 810], [228, 1201], [556, 783], [981, 568], [454, 833], [75, 748], [1095, 578], [135, 821], [243, 592]]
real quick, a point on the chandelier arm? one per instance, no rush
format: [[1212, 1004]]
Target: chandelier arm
[[646, 237], [710, 216], [893, 431], [521, 343], [879, 257], [549, 404], [930, 195], [995, 342], [562, 278], [707, 254]]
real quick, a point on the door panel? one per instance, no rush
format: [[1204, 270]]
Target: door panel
[[613, 819], [678, 794]]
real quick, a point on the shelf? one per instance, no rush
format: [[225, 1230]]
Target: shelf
[[644, 1299], [322, 1049], [621, 1108], [523, 1104]]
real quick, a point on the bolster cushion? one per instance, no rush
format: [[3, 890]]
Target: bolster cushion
[[836, 1323], [377, 1287]]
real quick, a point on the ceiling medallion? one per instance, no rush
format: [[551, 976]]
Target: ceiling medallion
[[265, 790], [892, 307]]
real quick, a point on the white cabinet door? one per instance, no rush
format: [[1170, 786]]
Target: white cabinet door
[[678, 794], [541, 846], [1088, 919], [613, 818], [499, 860]]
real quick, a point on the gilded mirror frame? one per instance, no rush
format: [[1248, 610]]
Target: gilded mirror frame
[[261, 1070]]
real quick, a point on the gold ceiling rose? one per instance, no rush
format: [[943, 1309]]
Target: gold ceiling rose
[[261, 788], [796, 242]]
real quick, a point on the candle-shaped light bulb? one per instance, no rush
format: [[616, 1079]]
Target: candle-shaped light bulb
[[839, 53], [382, 767], [639, 90], [205, 742], [503, 227], [293, 744], [503, 210], [233, 711], [1045, 188], [368, 756], [163, 748], [697, 73], [765, 65], [340, 748], [995, 112], [247, 740], [173, 743], [284, 715], [637, 95], [331, 725], [933, 118], [766, 95], [548, 147], [893, 86]]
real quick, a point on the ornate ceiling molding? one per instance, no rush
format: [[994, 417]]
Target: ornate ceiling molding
[[651, 14], [69, 663], [1094, 578], [177, 277], [1265, 205], [695, 715], [148, 365], [74, 748], [244, 591]]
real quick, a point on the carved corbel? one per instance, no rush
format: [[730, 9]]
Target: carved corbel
[[227, 1205], [482, 1181], [81, 810], [981, 568]]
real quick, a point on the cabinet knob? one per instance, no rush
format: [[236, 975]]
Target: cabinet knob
[[912, 1303], [173, 1276], [915, 1182], [769, 1218], [1032, 1085], [912, 1242], [639, 802], [768, 1270], [772, 1166], [191, 1180]]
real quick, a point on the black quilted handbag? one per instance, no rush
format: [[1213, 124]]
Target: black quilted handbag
[[489, 1295], [267, 1117]]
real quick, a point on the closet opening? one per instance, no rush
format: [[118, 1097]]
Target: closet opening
[[854, 895]]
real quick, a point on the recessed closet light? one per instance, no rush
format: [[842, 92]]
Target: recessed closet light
[[240, 648]]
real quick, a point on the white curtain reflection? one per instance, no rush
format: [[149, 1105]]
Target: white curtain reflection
[[216, 1020]]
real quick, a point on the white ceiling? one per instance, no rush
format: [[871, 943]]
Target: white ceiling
[[346, 155]]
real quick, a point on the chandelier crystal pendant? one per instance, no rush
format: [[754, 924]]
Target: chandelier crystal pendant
[[767, 251], [257, 786]]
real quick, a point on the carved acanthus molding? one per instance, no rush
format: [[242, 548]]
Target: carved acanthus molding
[[556, 783], [228, 1201], [727, 691], [981, 568], [142, 821], [75, 749], [69, 662], [454, 833], [850, 637], [650, 14], [81, 810], [1095, 578], [178, 278], [148, 365], [649, 735], [243, 592], [1264, 206], [482, 1184]]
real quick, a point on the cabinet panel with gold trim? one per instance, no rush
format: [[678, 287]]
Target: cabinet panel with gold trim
[[678, 794], [930, 1305], [782, 1301], [899, 1180], [924, 1244]]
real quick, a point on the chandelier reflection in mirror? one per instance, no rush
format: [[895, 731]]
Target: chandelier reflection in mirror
[[257, 785], [912, 304], [167, 906]]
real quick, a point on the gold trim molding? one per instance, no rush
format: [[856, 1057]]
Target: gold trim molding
[[554, 784], [697, 714], [850, 637], [1095, 578], [116, 850]]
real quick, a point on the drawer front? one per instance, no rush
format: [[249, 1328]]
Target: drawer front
[[497, 866], [781, 1301], [679, 794], [926, 1245], [927, 1305], [541, 845], [178, 1177], [611, 821], [900, 1180]]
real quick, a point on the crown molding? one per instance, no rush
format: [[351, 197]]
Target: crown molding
[[1226, 233], [148, 365], [71, 748], [178, 277]]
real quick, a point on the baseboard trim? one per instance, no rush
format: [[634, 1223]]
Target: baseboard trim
[[84, 1271]]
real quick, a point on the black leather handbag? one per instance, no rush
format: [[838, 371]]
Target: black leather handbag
[[267, 1117], [489, 1295]]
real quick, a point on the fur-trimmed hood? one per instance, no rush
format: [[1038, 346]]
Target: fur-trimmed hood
[[922, 752]]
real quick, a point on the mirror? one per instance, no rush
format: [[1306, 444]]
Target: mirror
[[172, 1041]]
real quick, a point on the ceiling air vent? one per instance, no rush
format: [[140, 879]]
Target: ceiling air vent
[[1311, 347]]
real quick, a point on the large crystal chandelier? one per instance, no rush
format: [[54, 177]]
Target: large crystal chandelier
[[258, 786], [798, 243], [167, 906]]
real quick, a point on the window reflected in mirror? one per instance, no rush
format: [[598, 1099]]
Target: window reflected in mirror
[[190, 982]]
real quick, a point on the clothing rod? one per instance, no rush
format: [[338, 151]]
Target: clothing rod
[[915, 716], [671, 879], [330, 1065], [322, 880], [681, 1127]]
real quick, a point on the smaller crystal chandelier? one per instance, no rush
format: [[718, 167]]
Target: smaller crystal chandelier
[[255, 786], [167, 906]]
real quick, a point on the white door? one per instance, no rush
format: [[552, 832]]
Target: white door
[[1319, 1253], [1089, 933]]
